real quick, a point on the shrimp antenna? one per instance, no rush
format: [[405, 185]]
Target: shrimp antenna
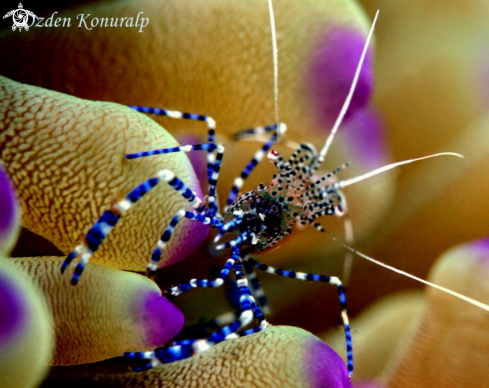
[[273, 31], [394, 269], [351, 181], [346, 104]]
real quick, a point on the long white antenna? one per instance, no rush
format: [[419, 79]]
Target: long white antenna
[[347, 102], [275, 60], [448, 291], [348, 182]]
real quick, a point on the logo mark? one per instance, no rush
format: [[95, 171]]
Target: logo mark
[[20, 17]]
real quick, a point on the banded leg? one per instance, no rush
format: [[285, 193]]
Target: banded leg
[[259, 131], [182, 349], [245, 236], [203, 329], [206, 283], [178, 350], [165, 237], [214, 171], [249, 310], [100, 230], [318, 278], [211, 124], [246, 298], [184, 148], [227, 318], [229, 226], [238, 182], [213, 178], [213, 159], [255, 288]]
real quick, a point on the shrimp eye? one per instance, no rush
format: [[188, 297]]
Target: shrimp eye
[[273, 155]]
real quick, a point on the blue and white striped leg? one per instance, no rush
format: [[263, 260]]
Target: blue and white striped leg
[[246, 235], [246, 299], [255, 288], [213, 178], [214, 151], [229, 226], [259, 131], [203, 329], [150, 357], [170, 178], [214, 170], [249, 310], [318, 278], [178, 350], [238, 182], [99, 231], [184, 148], [182, 349], [165, 237], [180, 187], [211, 124], [206, 283]]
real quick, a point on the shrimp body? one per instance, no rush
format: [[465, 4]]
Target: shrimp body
[[270, 212]]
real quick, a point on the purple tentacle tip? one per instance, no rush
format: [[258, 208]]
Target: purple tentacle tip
[[332, 65], [324, 368], [482, 244], [162, 320], [8, 206], [480, 248], [12, 309]]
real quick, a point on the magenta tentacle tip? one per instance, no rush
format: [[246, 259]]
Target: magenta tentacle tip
[[324, 367], [480, 249], [160, 318], [331, 67], [9, 211], [12, 309]]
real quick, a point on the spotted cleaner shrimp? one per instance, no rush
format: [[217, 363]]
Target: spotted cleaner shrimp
[[260, 218]]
